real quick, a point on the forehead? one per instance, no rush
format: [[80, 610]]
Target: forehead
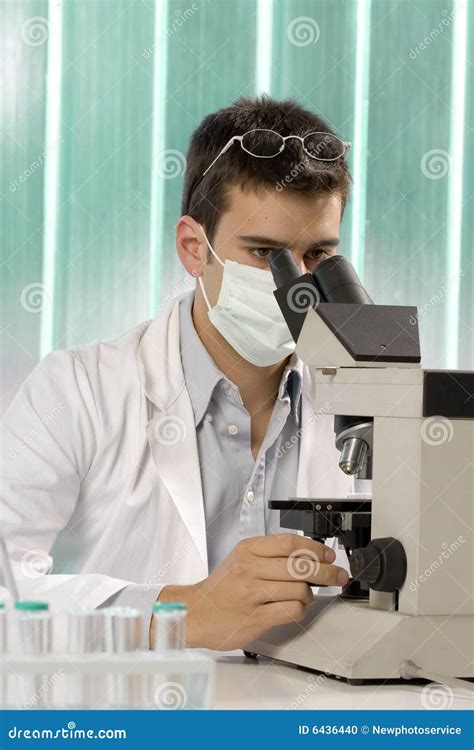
[[283, 212]]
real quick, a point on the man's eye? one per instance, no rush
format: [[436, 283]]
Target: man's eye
[[261, 252], [317, 254]]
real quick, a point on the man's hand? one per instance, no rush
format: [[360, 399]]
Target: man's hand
[[263, 582]]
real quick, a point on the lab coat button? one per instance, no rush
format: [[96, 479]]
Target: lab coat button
[[250, 496], [208, 417], [224, 385], [232, 429]]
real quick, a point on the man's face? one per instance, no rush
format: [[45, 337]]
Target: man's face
[[257, 224]]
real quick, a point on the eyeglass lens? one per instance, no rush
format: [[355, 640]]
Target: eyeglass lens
[[324, 146], [262, 142]]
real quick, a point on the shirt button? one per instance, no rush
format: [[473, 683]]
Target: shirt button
[[224, 385], [250, 496], [232, 429], [208, 417]]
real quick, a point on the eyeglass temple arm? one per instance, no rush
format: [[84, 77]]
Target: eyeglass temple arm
[[222, 151]]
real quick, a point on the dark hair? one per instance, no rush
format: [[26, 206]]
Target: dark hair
[[209, 200]]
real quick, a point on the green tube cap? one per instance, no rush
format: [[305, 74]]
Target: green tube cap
[[166, 606], [28, 606]]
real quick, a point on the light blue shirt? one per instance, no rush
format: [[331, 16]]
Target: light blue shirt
[[236, 487]]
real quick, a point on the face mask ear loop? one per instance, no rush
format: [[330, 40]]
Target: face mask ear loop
[[212, 249], [204, 293], [199, 277]]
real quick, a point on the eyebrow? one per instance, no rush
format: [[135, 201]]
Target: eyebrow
[[261, 240]]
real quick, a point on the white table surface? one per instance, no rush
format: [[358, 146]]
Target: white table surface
[[265, 683]]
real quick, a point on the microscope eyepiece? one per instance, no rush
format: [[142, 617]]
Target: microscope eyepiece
[[337, 281], [283, 267]]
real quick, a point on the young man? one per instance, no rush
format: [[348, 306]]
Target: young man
[[142, 467]]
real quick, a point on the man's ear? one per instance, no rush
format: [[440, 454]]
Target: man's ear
[[191, 246]]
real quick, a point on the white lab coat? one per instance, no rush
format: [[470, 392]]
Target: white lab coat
[[100, 468]]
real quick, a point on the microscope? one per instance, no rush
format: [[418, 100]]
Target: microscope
[[409, 433]]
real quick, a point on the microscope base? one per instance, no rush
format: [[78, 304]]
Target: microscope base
[[354, 641]]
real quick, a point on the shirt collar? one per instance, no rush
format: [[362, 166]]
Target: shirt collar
[[202, 375]]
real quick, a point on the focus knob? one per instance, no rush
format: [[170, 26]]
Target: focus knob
[[366, 565], [382, 564]]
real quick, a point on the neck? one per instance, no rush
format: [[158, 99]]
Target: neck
[[258, 386]]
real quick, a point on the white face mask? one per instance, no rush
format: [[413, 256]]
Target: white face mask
[[247, 314]]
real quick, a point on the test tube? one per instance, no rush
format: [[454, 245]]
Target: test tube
[[85, 635], [34, 621], [169, 626], [123, 630], [170, 690]]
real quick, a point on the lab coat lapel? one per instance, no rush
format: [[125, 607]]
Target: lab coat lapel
[[171, 429]]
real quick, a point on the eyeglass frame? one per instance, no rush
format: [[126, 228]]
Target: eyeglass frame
[[346, 146]]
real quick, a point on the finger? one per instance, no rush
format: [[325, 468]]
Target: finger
[[299, 569], [284, 591], [279, 613], [284, 545]]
